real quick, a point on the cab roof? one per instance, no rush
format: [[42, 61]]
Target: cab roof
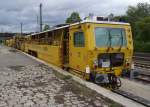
[[82, 22]]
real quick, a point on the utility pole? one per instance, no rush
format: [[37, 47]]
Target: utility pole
[[21, 28], [37, 21], [41, 17]]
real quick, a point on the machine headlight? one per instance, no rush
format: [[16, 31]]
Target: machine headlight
[[132, 66], [95, 63], [87, 69], [127, 63]]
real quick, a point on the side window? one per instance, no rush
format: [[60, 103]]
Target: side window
[[79, 39]]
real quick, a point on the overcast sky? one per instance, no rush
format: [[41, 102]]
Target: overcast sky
[[13, 12]]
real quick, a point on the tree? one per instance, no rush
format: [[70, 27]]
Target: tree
[[46, 27], [137, 13], [122, 18], [143, 29], [74, 17], [139, 17], [111, 16]]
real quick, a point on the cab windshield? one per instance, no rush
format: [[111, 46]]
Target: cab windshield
[[113, 37]]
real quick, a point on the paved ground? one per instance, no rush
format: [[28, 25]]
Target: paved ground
[[27, 83]]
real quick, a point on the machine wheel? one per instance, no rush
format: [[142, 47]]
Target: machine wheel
[[114, 82], [118, 82], [92, 77]]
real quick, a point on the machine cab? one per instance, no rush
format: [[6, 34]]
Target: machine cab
[[101, 46]]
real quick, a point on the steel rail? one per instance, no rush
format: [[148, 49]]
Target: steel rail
[[133, 97]]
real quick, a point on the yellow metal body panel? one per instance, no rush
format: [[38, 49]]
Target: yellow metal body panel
[[22, 47], [10, 42], [80, 57], [50, 54]]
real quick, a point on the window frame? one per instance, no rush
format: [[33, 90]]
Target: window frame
[[82, 44], [123, 37], [123, 45], [95, 37]]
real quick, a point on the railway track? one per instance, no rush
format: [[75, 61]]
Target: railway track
[[142, 64], [133, 97], [142, 60], [144, 77]]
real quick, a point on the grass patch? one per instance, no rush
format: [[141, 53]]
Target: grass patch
[[115, 105], [13, 50], [61, 76], [16, 67], [67, 77]]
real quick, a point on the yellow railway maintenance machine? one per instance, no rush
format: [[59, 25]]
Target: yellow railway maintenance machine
[[10, 42], [96, 50]]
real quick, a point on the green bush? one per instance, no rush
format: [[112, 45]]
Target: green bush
[[140, 46]]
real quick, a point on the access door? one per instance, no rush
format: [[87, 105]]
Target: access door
[[65, 47], [77, 49]]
